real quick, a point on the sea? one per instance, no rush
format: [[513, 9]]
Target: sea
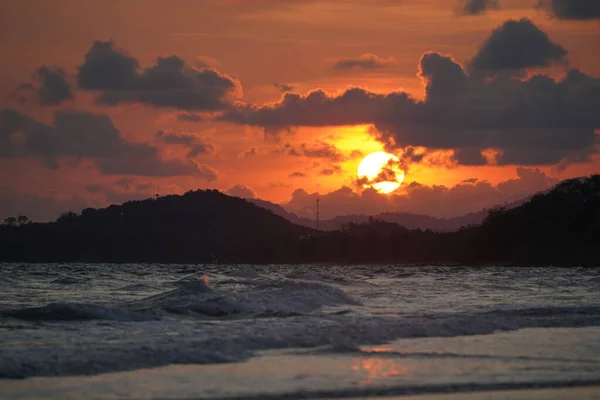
[[161, 331]]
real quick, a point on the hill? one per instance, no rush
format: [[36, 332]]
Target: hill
[[198, 226], [408, 220], [560, 226], [557, 227]]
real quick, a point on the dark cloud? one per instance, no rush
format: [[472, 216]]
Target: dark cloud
[[441, 75], [469, 156], [50, 86], [297, 175], [195, 145], [199, 148], [572, 9], [84, 135], [107, 67], [388, 173], [331, 170], [283, 87], [318, 108], [318, 149], [189, 117], [438, 200], [366, 61], [476, 7], [242, 191], [533, 121], [517, 45], [176, 138], [169, 83]]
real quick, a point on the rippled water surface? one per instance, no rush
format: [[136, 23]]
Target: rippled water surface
[[331, 330]]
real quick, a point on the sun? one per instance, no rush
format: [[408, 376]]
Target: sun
[[381, 171]]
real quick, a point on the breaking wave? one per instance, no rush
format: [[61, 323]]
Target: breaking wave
[[267, 299]]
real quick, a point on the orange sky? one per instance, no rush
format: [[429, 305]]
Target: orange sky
[[258, 43]]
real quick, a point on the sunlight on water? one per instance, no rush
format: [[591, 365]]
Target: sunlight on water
[[377, 369]]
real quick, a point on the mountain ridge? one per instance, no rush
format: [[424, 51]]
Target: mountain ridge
[[406, 219], [560, 226]]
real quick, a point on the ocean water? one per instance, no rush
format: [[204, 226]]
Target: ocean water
[[293, 331]]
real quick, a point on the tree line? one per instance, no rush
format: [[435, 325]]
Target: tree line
[[557, 227]]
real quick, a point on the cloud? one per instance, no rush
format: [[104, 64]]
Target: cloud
[[538, 121], [84, 135], [572, 9], [176, 138], [50, 86], [517, 45], [366, 61], [107, 67], [331, 170], [283, 87], [354, 106], [476, 7], [252, 151], [195, 145], [343, 201], [441, 75], [242, 191], [207, 173], [441, 201], [189, 117], [527, 180], [297, 174], [388, 173], [319, 149], [497, 120], [169, 83]]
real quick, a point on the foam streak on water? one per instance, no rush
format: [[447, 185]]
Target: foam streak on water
[[79, 319]]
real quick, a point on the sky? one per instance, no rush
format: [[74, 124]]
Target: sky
[[483, 102]]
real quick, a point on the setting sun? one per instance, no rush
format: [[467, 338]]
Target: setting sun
[[381, 171]]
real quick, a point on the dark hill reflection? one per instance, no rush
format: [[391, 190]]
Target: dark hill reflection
[[559, 227]]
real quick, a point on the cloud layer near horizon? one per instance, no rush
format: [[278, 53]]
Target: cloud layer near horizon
[[439, 201], [471, 195]]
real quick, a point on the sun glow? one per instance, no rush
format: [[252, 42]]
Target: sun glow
[[381, 171]]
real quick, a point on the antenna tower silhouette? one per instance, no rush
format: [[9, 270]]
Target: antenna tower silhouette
[[317, 213]]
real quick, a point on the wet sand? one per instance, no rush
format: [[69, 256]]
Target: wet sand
[[579, 393]]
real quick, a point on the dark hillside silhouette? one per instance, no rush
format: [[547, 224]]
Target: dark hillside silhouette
[[561, 226], [198, 226], [557, 227]]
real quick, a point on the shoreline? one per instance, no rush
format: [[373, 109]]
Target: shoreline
[[402, 264], [558, 393]]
